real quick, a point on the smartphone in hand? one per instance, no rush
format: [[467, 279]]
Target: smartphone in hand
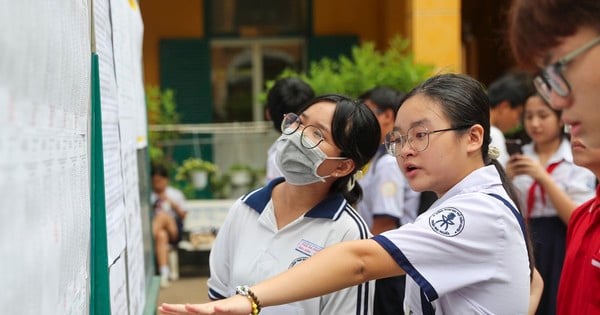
[[513, 146]]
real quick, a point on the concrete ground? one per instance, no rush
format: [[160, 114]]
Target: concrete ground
[[184, 290], [191, 286]]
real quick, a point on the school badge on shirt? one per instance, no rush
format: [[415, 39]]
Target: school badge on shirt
[[447, 221], [307, 248]]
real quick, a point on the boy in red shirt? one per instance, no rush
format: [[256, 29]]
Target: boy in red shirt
[[561, 38]]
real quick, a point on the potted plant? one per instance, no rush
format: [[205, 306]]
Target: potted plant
[[241, 175], [197, 171]]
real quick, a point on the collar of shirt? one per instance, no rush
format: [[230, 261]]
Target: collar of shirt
[[329, 208], [480, 179], [563, 152]]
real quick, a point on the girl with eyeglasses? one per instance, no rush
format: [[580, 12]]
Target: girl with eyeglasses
[[550, 187], [467, 254], [279, 226], [561, 40]]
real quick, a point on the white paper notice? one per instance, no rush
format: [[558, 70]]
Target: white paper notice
[[127, 33], [118, 286], [115, 208], [44, 163]]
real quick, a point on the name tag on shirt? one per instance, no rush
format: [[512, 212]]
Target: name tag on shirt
[[308, 248]]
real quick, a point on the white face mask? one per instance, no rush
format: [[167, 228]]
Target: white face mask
[[297, 163]]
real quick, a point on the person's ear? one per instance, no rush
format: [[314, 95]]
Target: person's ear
[[344, 168], [475, 138]]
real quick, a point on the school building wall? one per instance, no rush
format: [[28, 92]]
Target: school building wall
[[433, 26]]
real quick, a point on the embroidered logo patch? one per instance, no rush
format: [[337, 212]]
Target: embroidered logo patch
[[308, 248], [388, 189], [297, 261], [447, 222]]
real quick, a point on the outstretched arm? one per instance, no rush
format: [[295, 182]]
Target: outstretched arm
[[334, 268]]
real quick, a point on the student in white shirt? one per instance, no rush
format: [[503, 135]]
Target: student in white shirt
[[279, 226], [467, 254], [168, 205], [507, 95], [550, 187]]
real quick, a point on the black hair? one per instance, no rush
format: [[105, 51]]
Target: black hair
[[464, 102], [356, 132], [514, 87], [384, 98], [288, 95], [159, 170]]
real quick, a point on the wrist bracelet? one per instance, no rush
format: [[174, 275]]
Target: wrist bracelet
[[244, 290]]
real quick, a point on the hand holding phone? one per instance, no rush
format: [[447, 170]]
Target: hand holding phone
[[513, 146]]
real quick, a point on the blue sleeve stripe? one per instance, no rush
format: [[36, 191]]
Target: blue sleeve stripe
[[410, 270], [362, 298], [362, 292], [214, 295], [360, 223], [366, 295]]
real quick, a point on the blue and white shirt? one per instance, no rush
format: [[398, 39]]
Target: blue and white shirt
[[250, 248], [466, 254]]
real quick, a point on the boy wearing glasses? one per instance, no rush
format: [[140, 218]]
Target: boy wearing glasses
[[561, 38]]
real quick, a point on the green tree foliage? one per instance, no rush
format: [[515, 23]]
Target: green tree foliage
[[363, 70], [161, 110]]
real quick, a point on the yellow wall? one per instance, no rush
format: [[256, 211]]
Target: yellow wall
[[372, 20], [432, 25], [435, 30], [167, 19]]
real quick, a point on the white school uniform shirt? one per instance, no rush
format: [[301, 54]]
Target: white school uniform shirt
[[578, 182], [249, 248], [499, 141], [176, 196], [272, 170], [386, 192], [466, 254]]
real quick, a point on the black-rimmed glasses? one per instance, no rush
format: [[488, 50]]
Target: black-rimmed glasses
[[551, 78], [417, 138], [310, 137]]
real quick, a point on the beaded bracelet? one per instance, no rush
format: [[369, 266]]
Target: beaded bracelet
[[244, 290]]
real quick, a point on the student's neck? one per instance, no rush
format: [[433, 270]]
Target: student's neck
[[470, 168], [547, 149], [292, 201]]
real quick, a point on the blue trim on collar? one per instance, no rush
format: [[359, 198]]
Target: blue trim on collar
[[259, 198], [326, 209]]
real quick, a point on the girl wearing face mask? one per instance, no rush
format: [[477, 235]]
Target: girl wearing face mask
[[279, 226], [550, 187], [466, 254]]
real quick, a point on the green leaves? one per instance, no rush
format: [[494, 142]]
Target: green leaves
[[365, 69], [161, 109]]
